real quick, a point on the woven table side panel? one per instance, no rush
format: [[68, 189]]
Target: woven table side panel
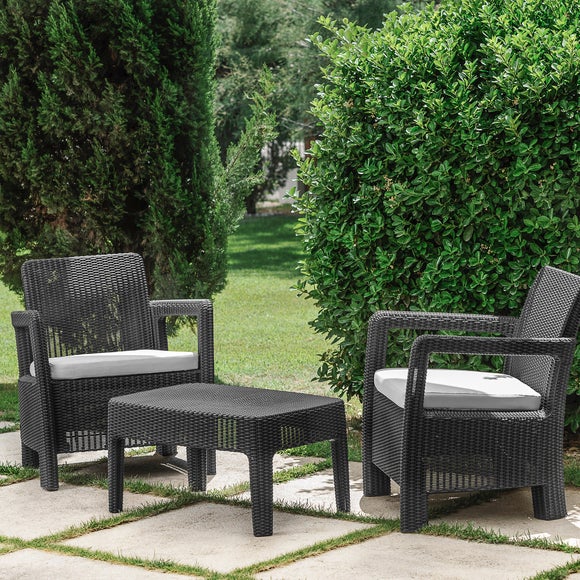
[[222, 431]]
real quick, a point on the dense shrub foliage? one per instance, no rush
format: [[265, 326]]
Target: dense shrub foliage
[[447, 171], [107, 137]]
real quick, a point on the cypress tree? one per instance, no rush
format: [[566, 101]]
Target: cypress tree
[[107, 137]]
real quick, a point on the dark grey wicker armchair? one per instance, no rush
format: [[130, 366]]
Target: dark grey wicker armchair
[[89, 333], [445, 431]]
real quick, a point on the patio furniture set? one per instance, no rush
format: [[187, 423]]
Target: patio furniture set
[[95, 373]]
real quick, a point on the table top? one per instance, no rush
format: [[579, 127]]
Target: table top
[[225, 400]]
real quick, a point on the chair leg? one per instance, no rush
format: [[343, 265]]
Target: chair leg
[[549, 501], [339, 450], [171, 451], [29, 457], [48, 464], [375, 482], [211, 462], [262, 494], [414, 498], [116, 469], [414, 511], [166, 450], [196, 469]]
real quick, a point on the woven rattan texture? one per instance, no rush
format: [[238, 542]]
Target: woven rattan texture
[[256, 422], [429, 451], [88, 304]]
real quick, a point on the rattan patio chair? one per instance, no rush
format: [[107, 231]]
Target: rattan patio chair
[[439, 430], [89, 333]]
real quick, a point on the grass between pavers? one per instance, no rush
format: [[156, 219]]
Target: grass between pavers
[[178, 497], [559, 572], [10, 474], [572, 469], [349, 539]]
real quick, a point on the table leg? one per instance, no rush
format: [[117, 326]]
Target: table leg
[[339, 450], [211, 462], [262, 493], [167, 450], [116, 466], [196, 468]]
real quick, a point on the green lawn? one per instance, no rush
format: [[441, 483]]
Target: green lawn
[[261, 326], [8, 367]]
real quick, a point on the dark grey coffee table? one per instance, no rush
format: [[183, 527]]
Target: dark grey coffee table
[[257, 422]]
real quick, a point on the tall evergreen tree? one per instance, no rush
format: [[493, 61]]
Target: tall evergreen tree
[[107, 137]]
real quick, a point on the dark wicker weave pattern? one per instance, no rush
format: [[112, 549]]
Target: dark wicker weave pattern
[[89, 304], [257, 422], [428, 451]]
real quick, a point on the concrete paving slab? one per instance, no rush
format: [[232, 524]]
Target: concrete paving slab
[[35, 564], [28, 511], [215, 536], [407, 556], [317, 492], [220, 537], [10, 452], [82, 457], [232, 468], [512, 514]]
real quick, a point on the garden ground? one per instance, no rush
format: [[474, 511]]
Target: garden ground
[[262, 339], [70, 534]]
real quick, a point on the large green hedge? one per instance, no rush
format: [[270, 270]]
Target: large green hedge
[[447, 171]]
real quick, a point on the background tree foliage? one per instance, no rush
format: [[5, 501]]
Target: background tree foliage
[[447, 172], [107, 138], [254, 37], [273, 34]]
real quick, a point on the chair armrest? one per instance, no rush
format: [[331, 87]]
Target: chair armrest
[[423, 346], [383, 321], [181, 307], [483, 323], [202, 310], [560, 349], [30, 343]]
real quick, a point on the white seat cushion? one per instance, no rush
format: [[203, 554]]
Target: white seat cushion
[[111, 364], [459, 389]]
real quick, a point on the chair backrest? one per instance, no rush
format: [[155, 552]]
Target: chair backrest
[[90, 303], [551, 310]]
